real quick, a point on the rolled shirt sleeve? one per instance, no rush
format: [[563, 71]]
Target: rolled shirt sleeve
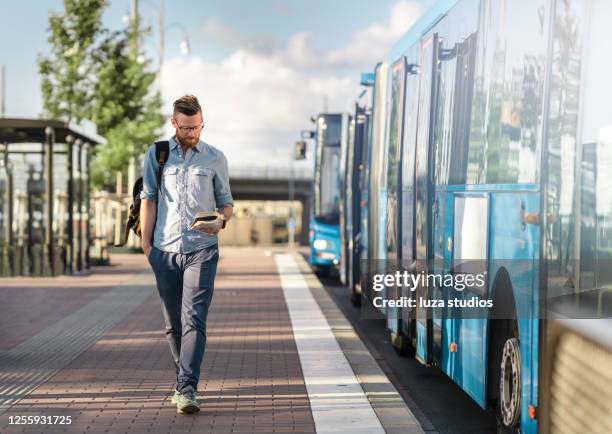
[[223, 194], [149, 178]]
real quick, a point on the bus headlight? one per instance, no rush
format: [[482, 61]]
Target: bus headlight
[[321, 244]]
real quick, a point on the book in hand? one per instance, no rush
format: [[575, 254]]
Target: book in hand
[[206, 219]]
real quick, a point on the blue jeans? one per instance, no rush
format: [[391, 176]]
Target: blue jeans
[[185, 283]]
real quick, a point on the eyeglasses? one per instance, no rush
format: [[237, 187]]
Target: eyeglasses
[[185, 129], [191, 129]]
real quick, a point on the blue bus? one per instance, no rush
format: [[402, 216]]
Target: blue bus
[[324, 235], [376, 186], [354, 199], [491, 142]]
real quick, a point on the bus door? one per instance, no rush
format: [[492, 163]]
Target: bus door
[[424, 192], [364, 188], [406, 248], [456, 62], [393, 179], [346, 195], [351, 194], [360, 123], [376, 170]]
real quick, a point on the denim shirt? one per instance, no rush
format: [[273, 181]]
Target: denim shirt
[[198, 182]]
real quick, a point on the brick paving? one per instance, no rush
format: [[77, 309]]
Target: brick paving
[[29, 304], [251, 378]]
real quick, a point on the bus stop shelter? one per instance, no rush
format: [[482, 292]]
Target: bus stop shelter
[[44, 197]]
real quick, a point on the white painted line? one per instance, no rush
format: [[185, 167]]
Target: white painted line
[[337, 400]]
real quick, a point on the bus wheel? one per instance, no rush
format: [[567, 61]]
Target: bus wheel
[[509, 405], [402, 344], [322, 270], [355, 298]]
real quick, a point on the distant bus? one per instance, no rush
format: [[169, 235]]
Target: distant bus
[[324, 234], [491, 141]]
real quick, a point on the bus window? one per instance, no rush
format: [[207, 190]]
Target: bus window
[[462, 109], [508, 99], [561, 159], [366, 119], [398, 74], [453, 112], [596, 185]]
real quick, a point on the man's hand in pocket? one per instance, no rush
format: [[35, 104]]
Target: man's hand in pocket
[[146, 248]]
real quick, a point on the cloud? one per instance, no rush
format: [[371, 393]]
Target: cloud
[[366, 44], [256, 100], [281, 7], [254, 106], [217, 32]]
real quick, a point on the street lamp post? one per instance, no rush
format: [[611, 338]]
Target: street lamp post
[[162, 27], [2, 90], [297, 153], [132, 20]]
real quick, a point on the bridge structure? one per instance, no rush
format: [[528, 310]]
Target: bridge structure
[[275, 184]]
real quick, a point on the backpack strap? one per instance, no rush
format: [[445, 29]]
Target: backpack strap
[[162, 150]]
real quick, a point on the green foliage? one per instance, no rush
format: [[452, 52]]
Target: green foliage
[[67, 72], [91, 74], [125, 110]]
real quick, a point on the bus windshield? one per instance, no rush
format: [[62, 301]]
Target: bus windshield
[[327, 173]]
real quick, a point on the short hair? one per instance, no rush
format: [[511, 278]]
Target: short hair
[[187, 105]]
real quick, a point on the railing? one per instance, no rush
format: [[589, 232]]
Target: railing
[[109, 216]]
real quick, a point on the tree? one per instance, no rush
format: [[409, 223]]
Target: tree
[[91, 74], [67, 72], [125, 109]]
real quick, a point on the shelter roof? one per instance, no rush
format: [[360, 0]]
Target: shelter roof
[[22, 130]]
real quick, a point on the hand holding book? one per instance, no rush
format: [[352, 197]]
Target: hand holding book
[[209, 222]]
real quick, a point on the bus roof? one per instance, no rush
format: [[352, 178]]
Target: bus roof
[[418, 29]]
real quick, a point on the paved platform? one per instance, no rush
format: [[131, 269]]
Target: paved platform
[[280, 356]]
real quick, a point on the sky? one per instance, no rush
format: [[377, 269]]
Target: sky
[[260, 68]]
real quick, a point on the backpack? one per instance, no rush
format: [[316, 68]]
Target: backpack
[[162, 150]]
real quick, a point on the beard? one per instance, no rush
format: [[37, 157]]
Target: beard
[[188, 141]]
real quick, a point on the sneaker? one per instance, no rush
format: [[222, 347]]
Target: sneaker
[[175, 396], [187, 403]]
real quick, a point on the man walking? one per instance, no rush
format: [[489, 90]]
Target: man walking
[[194, 178]]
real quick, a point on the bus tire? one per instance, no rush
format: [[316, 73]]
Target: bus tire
[[509, 402], [355, 298], [402, 344], [322, 270]]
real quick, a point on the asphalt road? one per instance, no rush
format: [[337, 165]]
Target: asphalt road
[[437, 402]]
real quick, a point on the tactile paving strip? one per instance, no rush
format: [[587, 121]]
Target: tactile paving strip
[[29, 364]]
